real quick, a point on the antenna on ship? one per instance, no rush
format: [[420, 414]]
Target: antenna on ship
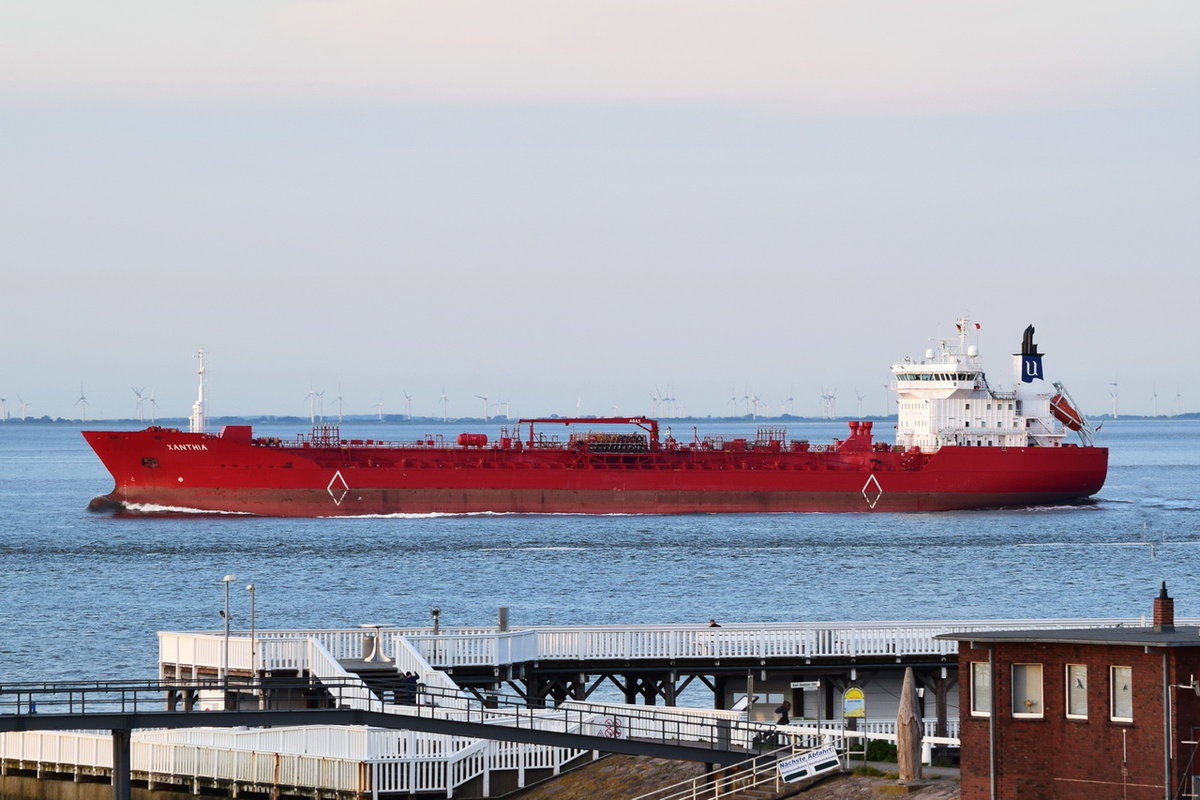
[[198, 421], [82, 401]]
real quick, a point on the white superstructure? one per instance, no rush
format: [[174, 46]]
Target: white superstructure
[[945, 399]]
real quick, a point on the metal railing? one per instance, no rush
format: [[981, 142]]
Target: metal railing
[[756, 772]]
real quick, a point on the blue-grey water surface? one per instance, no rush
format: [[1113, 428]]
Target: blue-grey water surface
[[84, 594]]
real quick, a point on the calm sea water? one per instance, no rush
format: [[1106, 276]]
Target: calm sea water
[[84, 594]]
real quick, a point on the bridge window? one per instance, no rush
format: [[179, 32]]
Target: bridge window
[[981, 689], [1077, 691], [1122, 693], [1027, 690]]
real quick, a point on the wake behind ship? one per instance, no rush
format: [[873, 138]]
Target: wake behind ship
[[960, 444]]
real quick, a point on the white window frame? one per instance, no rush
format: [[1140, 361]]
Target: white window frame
[[1076, 696], [1028, 704], [1120, 681], [981, 701]]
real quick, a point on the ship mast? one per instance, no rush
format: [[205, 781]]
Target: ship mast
[[197, 420]]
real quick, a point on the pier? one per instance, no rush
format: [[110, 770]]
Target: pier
[[329, 712]]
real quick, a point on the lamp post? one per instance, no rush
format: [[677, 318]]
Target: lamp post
[[228, 579], [253, 641]]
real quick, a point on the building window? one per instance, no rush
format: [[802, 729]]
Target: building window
[[981, 689], [1077, 691], [1122, 694], [1027, 690]]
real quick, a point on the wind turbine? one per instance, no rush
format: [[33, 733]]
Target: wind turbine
[[860, 399], [82, 401], [786, 406], [486, 407], [1154, 394], [312, 405], [829, 403], [4, 409], [1178, 402], [408, 405], [339, 402], [733, 400], [655, 400], [757, 402], [153, 407], [24, 406], [445, 406], [1116, 397], [139, 408], [379, 408]]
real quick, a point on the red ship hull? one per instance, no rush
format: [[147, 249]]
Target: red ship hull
[[164, 469]]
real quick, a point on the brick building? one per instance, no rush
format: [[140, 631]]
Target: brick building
[[1081, 713]]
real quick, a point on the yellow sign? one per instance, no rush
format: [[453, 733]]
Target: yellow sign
[[854, 703]]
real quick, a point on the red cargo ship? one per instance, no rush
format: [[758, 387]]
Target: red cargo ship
[[960, 444]]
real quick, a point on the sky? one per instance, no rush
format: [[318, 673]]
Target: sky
[[577, 206]]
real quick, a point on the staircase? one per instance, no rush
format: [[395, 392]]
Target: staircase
[[383, 679], [756, 778]]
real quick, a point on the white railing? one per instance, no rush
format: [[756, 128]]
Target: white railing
[[475, 649], [460, 647], [333, 758], [52, 747]]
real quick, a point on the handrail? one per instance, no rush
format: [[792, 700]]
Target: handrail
[[754, 772]]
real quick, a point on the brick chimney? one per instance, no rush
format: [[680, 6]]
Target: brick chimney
[[1164, 612]]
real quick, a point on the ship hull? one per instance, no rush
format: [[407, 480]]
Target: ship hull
[[163, 470]]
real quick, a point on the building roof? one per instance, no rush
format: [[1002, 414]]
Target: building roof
[[1181, 636]]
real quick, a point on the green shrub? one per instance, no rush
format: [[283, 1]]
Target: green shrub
[[879, 750]]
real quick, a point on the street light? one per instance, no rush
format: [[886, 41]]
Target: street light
[[253, 659], [228, 579]]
